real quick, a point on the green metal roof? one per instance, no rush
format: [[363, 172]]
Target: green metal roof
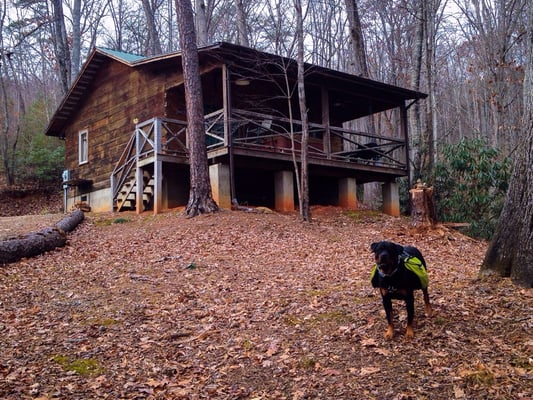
[[127, 57]]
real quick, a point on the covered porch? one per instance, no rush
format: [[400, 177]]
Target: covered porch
[[357, 134]]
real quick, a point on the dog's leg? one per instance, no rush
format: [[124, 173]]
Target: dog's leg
[[429, 309], [410, 305], [387, 305]]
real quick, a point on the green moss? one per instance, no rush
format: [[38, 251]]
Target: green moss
[[102, 321], [103, 222], [481, 377], [247, 345], [307, 363], [523, 363], [81, 366], [292, 320], [336, 316], [331, 317]]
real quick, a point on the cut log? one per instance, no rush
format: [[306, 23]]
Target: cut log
[[36, 243], [423, 211]]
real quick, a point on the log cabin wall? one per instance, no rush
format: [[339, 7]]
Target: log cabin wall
[[119, 96]]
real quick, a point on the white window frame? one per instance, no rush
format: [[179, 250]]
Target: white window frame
[[83, 147]]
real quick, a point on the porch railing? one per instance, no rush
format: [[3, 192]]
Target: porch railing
[[270, 133], [156, 136]]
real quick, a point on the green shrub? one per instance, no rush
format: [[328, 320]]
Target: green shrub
[[470, 185], [42, 162]]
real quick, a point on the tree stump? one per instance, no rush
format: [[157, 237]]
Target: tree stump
[[423, 213], [36, 243]]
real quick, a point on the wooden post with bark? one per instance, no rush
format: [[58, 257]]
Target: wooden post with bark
[[423, 213]]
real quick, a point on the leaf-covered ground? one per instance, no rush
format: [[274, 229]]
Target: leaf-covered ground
[[241, 305]]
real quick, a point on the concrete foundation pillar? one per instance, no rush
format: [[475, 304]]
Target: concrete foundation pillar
[[391, 199], [347, 193], [284, 191], [220, 184]]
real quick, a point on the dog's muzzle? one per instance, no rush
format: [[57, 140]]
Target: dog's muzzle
[[384, 274]]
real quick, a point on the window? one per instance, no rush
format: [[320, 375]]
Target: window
[[83, 146]]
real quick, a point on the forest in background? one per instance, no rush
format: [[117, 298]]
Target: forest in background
[[467, 56]]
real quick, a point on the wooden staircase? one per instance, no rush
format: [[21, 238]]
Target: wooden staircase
[[127, 196]]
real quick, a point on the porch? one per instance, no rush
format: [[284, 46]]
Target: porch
[[243, 140]]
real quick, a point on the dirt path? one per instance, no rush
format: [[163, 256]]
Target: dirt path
[[255, 306]]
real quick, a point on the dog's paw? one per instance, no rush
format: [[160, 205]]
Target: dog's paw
[[409, 332], [389, 333], [429, 311]]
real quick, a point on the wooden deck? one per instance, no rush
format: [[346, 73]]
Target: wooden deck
[[259, 140]]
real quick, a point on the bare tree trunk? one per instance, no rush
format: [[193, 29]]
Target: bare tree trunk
[[372, 190], [153, 45], [200, 196], [305, 209], [61, 46], [415, 119], [511, 250], [76, 36], [242, 31], [356, 34], [430, 17], [201, 22]]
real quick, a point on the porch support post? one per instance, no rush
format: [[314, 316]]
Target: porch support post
[[228, 134], [391, 199], [325, 121], [284, 191], [139, 208], [404, 133], [158, 167], [347, 193], [219, 175], [139, 183]]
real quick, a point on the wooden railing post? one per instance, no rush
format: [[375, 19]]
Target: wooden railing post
[[158, 166], [325, 121], [138, 173]]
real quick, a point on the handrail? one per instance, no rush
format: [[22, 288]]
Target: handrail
[[142, 144]]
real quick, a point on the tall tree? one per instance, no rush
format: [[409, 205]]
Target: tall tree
[[200, 195], [61, 45], [201, 22], [415, 115], [153, 45], [511, 250], [305, 209], [358, 42], [242, 30], [76, 37]]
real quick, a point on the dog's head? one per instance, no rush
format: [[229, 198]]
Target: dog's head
[[387, 255]]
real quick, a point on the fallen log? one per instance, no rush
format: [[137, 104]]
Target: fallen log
[[71, 221], [36, 243]]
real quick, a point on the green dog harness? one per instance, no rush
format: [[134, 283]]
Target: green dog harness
[[414, 265]]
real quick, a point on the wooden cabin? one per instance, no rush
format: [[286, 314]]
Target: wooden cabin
[[124, 125]]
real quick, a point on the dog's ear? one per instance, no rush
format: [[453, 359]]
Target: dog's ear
[[374, 246], [398, 248]]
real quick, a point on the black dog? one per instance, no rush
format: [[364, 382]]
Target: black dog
[[399, 271]]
